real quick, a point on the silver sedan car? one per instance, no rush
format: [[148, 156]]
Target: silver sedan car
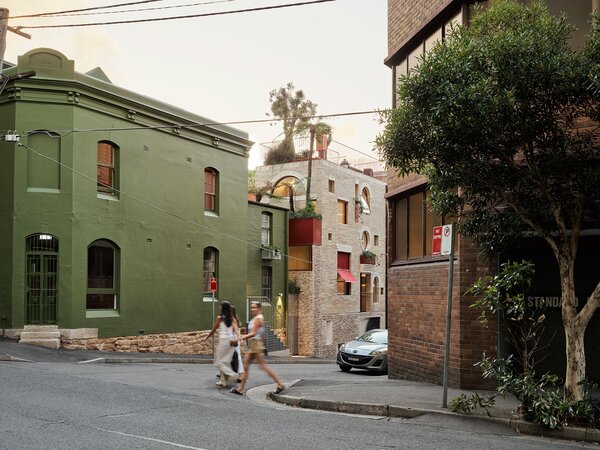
[[368, 351]]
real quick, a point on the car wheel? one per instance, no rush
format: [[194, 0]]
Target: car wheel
[[344, 368]]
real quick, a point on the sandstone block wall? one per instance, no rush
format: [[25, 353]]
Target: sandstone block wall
[[188, 343]]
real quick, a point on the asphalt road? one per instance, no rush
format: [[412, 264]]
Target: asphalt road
[[65, 405]]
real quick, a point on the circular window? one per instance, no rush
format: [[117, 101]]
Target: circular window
[[364, 240]]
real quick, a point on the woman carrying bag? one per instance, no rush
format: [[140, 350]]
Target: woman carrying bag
[[228, 339], [256, 348]]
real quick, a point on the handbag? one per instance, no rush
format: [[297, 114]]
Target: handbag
[[235, 362]]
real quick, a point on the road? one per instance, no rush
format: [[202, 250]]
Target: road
[[65, 405]]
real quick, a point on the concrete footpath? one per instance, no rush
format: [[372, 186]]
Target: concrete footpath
[[357, 392]]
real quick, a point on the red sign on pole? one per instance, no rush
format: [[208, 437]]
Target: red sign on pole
[[436, 248], [213, 284]]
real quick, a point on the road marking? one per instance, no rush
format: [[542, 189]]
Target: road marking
[[120, 433], [91, 361]]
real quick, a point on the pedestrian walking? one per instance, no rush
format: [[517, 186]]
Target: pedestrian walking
[[228, 339], [256, 348]]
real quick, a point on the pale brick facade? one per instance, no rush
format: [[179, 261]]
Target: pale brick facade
[[326, 318]]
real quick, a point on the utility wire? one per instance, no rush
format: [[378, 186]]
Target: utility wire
[[83, 9], [159, 19], [156, 8], [153, 206], [199, 124]]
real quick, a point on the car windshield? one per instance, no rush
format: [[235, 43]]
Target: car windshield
[[375, 336]]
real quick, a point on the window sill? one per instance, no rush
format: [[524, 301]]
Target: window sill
[[43, 190], [101, 313], [210, 214], [102, 196], [425, 260]]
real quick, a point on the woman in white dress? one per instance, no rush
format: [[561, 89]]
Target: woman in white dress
[[228, 339]]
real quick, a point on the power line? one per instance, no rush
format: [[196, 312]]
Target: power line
[[156, 8], [84, 9], [199, 124], [151, 205], [159, 19]]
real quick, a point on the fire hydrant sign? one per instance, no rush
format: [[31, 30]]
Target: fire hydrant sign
[[442, 240]]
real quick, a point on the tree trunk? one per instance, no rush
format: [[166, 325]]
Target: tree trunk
[[574, 331], [575, 373]]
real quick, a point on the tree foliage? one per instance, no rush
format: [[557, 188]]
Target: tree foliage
[[293, 108], [502, 118]]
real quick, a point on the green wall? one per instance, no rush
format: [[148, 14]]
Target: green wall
[[160, 226], [255, 261]]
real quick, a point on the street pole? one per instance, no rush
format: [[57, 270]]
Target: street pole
[[3, 31], [448, 320], [310, 152], [213, 318]]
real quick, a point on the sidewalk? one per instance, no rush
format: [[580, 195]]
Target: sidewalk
[[368, 394], [358, 392]]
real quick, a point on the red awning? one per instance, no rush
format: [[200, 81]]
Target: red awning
[[347, 276]]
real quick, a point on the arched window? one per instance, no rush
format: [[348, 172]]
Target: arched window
[[107, 175], [102, 275], [211, 189], [211, 263], [41, 253], [365, 201], [288, 184]]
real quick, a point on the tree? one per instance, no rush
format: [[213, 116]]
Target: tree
[[293, 108], [503, 119]]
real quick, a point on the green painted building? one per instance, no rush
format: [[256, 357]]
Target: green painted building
[[115, 208], [267, 265]]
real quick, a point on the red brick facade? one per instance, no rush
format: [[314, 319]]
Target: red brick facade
[[417, 303]]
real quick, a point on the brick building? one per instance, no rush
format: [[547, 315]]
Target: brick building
[[343, 292], [417, 282]]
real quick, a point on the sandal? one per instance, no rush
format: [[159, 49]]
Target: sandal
[[235, 391], [279, 389]]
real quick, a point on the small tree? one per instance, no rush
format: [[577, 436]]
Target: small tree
[[293, 108], [503, 118]]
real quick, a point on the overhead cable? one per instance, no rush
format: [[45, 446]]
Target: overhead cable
[[212, 230], [206, 124], [83, 9], [155, 8], [159, 19]]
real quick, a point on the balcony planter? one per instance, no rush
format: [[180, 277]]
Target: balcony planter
[[305, 231], [270, 253], [368, 257]]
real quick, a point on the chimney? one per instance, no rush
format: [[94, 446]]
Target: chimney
[[368, 172], [322, 145]]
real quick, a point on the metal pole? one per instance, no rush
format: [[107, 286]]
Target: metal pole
[[213, 318], [3, 30], [448, 320]]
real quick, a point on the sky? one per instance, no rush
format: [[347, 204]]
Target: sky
[[223, 67]]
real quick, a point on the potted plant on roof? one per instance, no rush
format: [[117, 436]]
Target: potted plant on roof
[[305, 226], [368, 257]]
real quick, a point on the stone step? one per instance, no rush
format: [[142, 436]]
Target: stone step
[[40, 328], [48, 343], [40, 335]]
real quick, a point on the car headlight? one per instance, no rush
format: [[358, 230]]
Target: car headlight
[[379, 352], [342, 347]]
